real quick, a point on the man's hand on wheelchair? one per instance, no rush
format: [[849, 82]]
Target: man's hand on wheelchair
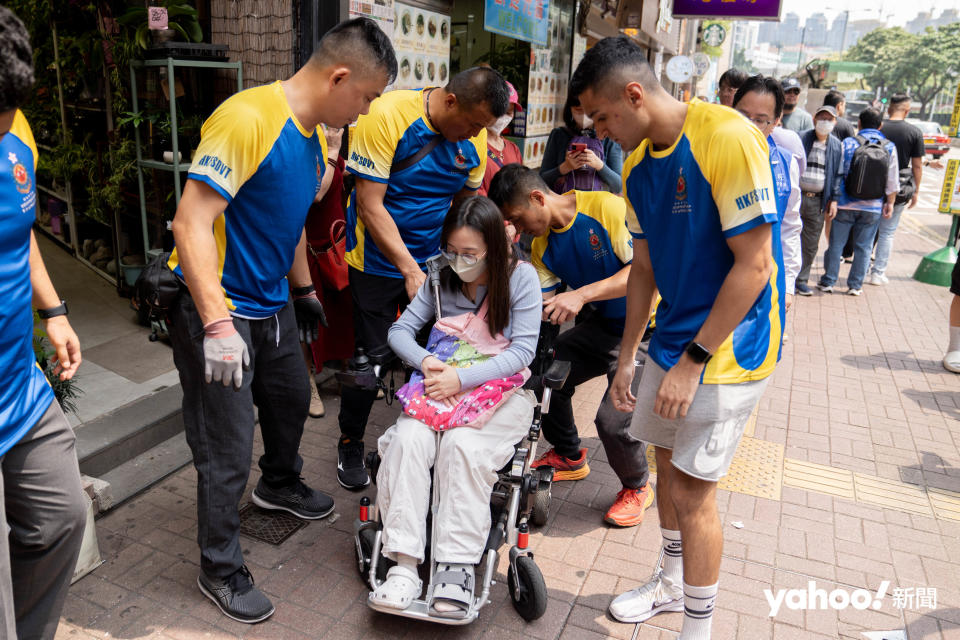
[[623, 398], [563, 307], [440, 381]]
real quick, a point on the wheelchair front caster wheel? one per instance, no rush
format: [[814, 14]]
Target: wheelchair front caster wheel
[[530, 599]]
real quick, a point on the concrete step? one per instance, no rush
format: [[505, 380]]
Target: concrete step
[[111, 440], [143, 471]]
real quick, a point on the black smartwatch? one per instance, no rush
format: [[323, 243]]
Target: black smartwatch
[[53, 312], [698, 353]]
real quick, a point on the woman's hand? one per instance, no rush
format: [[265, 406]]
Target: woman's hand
[[334, 136], [589, 158], [572, 163], [440, 381]]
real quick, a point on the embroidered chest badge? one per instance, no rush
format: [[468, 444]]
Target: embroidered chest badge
[[681, 187]]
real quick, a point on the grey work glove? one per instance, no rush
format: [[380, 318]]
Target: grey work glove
[[225, 354], [310, 315]]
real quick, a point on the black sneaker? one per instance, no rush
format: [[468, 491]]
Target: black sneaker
[[236, 596], [351, 473], [298, 499], [803, 289]]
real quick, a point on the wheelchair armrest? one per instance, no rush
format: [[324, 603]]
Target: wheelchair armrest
[[557, 374]]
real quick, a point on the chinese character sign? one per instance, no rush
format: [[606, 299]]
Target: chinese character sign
[[521, 19], [749, 9]]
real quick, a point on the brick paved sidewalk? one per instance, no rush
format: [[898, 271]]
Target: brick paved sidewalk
[[858, 408]]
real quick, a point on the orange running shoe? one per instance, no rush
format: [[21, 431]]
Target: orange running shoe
[[564, 468], [627, 510]]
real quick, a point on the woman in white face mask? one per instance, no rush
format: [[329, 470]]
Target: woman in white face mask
[[501, 151], [477, 356], [576, 160]]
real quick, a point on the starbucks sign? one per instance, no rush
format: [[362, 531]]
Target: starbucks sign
[[714, 34]]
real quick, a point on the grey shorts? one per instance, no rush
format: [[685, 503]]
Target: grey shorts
[[703, 442]]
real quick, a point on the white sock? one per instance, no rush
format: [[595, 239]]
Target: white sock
[[954, 339], [407, 562], [697, 611], [672, 556]]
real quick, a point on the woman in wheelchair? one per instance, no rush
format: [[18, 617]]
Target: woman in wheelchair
[[472, 377]]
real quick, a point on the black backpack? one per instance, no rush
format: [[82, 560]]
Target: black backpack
[[867, 178], [156, 291]]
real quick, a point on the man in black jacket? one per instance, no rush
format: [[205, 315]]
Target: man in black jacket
[[819, 186]]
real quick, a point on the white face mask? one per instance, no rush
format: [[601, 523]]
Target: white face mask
[[501, 123], [584, 121], [825, 127], [468, 272]]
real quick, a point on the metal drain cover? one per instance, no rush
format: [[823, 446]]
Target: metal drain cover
[[273, 527]]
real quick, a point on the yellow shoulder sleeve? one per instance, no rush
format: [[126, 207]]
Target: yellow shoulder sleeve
[[21, 129], [476, 175], [548, 280], [374, 139]]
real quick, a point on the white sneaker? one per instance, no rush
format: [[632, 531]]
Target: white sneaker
[[951, 361], [656, 596], [878, 279], [317, 409], [854, 292], [826, 288]]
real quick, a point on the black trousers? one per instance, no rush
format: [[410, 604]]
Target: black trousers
[[377, 301], [592, 348], [219, 422]]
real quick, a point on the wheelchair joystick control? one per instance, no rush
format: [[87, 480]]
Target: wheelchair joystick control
[[523, 536], [364, 509]]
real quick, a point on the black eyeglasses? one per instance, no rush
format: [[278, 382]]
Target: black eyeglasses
[[760, 122]]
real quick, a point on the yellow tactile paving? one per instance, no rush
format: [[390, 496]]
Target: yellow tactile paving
[[891, 494], [810, 476], [760, 469], [946, 504]]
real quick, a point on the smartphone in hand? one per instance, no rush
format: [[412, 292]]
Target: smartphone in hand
[[577, 147]]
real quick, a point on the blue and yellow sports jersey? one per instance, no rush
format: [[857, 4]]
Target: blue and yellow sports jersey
[[713, 183], [256, 154], [24, 394], [418, 197], [593, 247]]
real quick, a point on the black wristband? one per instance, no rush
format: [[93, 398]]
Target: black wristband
[[303, 291], [53, 312], [698, 353]]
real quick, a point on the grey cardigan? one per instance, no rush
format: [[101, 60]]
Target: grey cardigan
[[523, 327]]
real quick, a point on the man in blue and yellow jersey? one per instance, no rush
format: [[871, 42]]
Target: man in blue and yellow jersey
[[240, 249], [43, 512], [700, 205], [411, 155], [581, 241]]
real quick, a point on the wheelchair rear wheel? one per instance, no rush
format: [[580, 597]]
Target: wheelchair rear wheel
[[364, 555], [530, 600]]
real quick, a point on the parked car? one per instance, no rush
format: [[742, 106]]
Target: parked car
[[935, 142], [854, 107]]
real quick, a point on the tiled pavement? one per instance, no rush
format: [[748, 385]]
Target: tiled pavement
[[860, 390]]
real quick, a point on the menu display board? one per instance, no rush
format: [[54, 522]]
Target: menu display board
[[379, 10], [421, 39]]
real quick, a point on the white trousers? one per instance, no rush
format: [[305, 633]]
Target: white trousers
[[465, 471]]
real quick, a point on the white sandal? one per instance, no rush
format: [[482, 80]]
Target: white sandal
[[400, 588]]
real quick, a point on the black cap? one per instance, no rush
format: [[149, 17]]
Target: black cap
[[790, 83]]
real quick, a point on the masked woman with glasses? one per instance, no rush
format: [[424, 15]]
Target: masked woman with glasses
[[468, 384]]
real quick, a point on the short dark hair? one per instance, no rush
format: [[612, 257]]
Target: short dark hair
[[481, 85], [16, 72], [357, 42], [733, 78], [481, 215], [898, 101], [567, 115], [512, 185], [618, 59], [834, 98], [762, 85], [871, 118]]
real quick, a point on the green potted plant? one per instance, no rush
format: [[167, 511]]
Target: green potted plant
[[66, 391], [182, 22]]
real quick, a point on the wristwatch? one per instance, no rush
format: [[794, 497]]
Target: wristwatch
[[52, 312], [698, 353]]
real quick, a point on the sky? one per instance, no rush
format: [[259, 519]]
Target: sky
[[893, 12]]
